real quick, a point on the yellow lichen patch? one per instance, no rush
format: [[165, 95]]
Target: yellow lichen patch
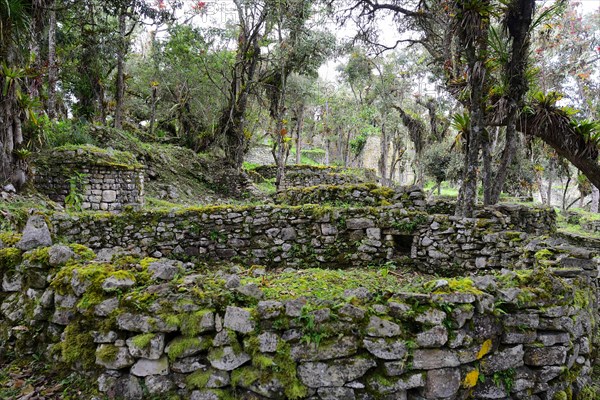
[[471, 379], [486, 347]]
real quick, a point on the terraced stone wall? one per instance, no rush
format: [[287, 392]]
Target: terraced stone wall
[[280, 236], [109, 182], [308, 175], [159, 328], [368, 194]]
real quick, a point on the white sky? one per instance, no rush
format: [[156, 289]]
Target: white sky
[[389, 34]]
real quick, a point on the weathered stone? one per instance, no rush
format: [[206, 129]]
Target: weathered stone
[[394, 385], [431, 316], [511, 357], [336, 393], [442, 383], [217, 379], [165, 270], [523, 321], [519, 337], [113, 283], [335, 373], [543, 356], [386, 349], [435, 359], [191, 346], [152, 348], [157, 384], [251, 290], [269, 309], [489, 390], [144, 367], [204, 395], [187, 365], [352, 312], [36, 234], [394, 368], [232, 281], [239, 320], [379, 327], [117, 358], [126, 387], [59, 254], [12, 282], [551, 338], [293, 308], [434, 337], [267, 388], [143, 323], [288, 233], [359, 293], [359, 223], [267, 342], [105, 337], [106, 307], [342, 347], [227, 359]]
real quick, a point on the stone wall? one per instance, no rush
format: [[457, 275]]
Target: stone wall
[[280, 236], [160, 328], [369, 194], [107, 181], [591, 226], [309, 175]]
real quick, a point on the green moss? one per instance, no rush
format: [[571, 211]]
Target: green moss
[[180, 345], [198, 379], [78, 345], [84, 253], [190, 323], [107, 353], [38, 256], [513, 236], [544, 254], [245, 376], [10, 257], [262, 362], [143, 341], [89, 155], [10, 238], [90, 299], [325, 284], [562, 395]]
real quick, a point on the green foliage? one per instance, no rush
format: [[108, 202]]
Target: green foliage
[[504, 379], [74, 199], [65, 132], [436, 160]]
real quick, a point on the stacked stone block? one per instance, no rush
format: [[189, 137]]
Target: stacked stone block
[[527, 336], [104, 183], [280, 236]]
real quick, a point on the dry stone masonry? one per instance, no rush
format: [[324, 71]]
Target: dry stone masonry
[[161, 328], [308, 175], [368, 194], [280, 236], [105, 180]]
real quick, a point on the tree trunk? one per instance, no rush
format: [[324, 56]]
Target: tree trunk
[[52, 69], [486, 150], [383, 160], [121, 51], [551, 170], [595, 199], [299, 128], [510, 149]]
